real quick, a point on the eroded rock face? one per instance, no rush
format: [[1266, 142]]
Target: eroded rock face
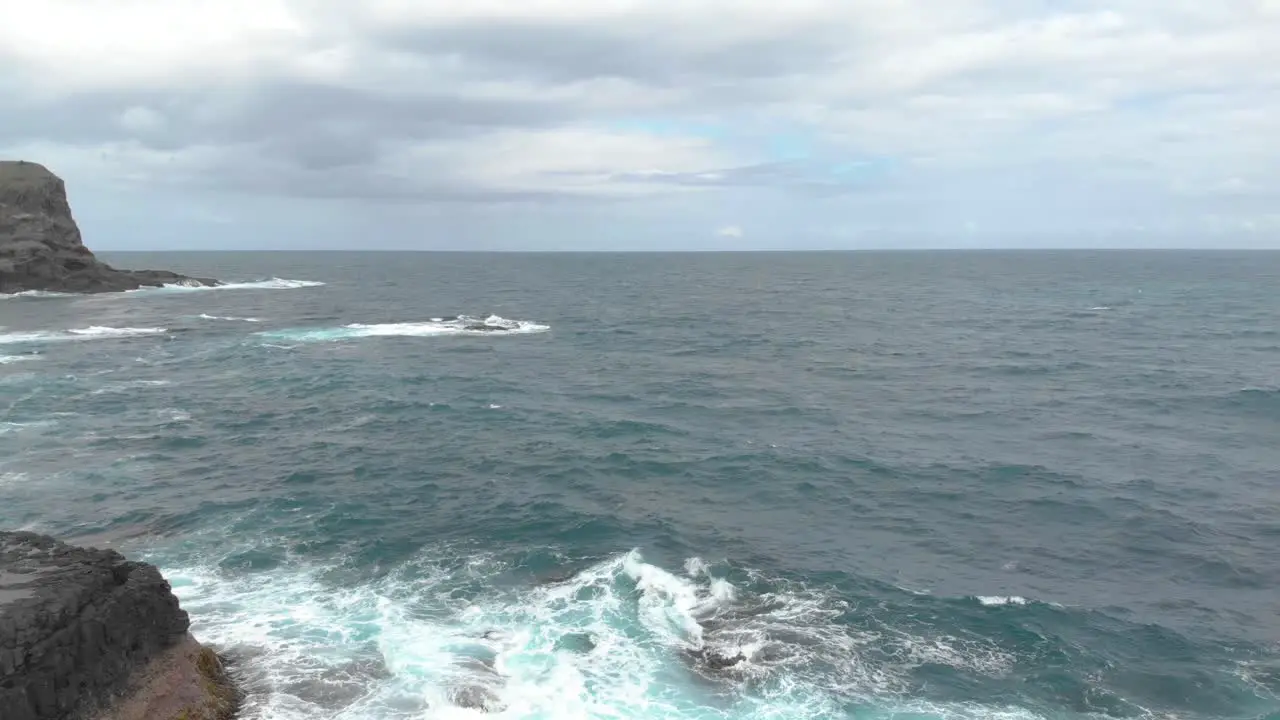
[[82, 630], [40, 244]]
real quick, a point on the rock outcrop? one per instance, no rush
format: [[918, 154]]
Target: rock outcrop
[[86, 634], [40, 245]]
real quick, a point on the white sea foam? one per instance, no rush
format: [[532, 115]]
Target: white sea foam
[[274, 283], [125, 386], [612, 641], [34, 294], [998, 600], [492, 325], [14, 427], [98, 331], [89, 333], [10, 359], [205, 316]]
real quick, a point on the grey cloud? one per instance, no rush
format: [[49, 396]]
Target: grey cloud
[[276, 134], [270, 110], [568, 51], [806, 176]]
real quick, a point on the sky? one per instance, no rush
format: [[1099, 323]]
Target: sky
[[651, 124]]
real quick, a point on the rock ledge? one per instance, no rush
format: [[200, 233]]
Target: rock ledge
[[86, 634], [40, 244]]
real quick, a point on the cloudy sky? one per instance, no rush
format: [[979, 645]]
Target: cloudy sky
[[651, 124]]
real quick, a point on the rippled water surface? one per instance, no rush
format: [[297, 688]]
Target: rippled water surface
[[947, 485]]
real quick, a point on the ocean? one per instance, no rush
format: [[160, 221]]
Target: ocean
[[917, 486]]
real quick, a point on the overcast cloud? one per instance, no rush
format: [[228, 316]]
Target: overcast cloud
[[603, 124]]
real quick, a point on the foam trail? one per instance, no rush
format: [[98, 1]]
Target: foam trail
[[612, 641], [1000, 600], [10, 359], [274, 283], [126, 386], [35, 294], [462, 325], [206, 316], [89, 333], [98, 331], [13, 427]]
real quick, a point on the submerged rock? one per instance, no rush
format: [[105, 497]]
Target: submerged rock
[[40, 244], [714, 660], [477, 697], [479, 691], [86, 634]]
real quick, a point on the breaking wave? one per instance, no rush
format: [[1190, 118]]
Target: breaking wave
[[622, 638], [460, 325]]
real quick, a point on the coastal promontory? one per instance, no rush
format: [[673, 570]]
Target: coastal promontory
[[40, 244], [86, 634]]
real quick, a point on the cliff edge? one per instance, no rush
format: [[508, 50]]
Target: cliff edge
[[86, 634], [40, 245]]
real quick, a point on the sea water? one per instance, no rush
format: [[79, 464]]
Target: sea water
[[879, 485]]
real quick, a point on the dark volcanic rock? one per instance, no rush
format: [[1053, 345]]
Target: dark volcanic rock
[[81, 630], [40, 245]]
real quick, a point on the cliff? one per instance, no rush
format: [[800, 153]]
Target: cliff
[[86, 634], [40, 245]]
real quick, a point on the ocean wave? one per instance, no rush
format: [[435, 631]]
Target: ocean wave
[[460, 325], [10, 359], [621, 638], [89, 333]]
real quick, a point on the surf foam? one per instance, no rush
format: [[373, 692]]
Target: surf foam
[[1000, 600], [461, 325], [125, 386], [89, 333], [274, 283], [205, 316], [13, 427], [612, 641], [35, 294]]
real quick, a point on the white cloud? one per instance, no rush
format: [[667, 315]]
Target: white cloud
[[82, 45], [729, 231]]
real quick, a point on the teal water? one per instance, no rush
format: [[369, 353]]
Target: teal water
[[930, 485]]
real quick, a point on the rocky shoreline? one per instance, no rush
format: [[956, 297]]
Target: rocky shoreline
[[40, 244], [86, 634]]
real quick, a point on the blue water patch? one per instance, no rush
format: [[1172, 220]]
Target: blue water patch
[[927, 486]]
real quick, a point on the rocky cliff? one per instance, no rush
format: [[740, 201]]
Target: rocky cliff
[[40, 245], [86, 634]]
